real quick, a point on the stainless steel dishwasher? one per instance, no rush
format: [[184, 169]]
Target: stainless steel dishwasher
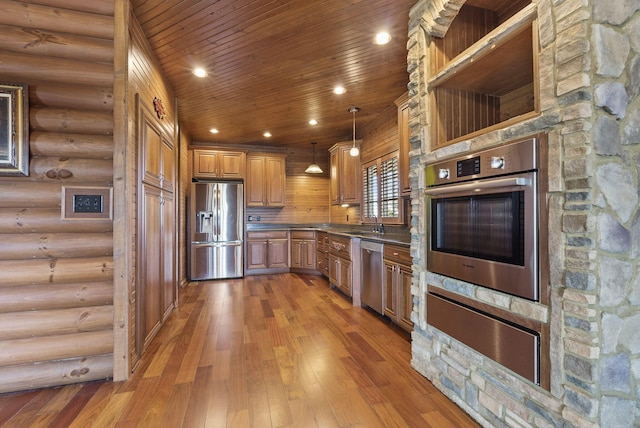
[[372, 271]]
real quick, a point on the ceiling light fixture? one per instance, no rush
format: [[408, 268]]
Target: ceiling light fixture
[[354, 150], [339, 90], [313, 122], [214, 130], [200, 72], [382, 38], [314, 168], [267, 134]]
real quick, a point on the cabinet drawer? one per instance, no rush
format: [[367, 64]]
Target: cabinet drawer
[[340, 245], [268, 234], [303, 234], [397, 254]]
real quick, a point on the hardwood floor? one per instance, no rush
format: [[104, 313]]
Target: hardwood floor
[[263, 351]]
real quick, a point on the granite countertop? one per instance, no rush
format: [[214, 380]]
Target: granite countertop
[[395, 234]]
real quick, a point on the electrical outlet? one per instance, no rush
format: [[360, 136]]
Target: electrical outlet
[[87, 204]]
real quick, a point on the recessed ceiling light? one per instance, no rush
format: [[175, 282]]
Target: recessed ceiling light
[[200, 72], [339, 90], [382, 38], [214, 130], [267, 134], [313, 122]]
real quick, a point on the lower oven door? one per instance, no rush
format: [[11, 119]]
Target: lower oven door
[[485, 232]]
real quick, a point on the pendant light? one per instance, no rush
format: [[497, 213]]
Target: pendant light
[[313, 168], [354, 150]]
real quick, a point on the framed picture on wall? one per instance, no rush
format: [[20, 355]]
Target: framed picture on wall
[[14, 129]]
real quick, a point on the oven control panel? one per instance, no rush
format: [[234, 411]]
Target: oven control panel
[[468, 167], [511, 158]]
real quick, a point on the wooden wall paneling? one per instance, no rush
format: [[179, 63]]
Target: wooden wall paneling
[[12, 66], [71, 121], [55, 245], [380, 136], [57, 276], [87, 146], [56, 271], [69, 371], [55, 322], [57, 44], [72, 170], [64, 95], [58, 347], [56, 296], [65, 20]]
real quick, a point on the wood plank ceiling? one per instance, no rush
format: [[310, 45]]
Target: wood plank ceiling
[[272, 65]]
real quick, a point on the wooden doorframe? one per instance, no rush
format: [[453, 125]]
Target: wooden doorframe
[[123, 227]]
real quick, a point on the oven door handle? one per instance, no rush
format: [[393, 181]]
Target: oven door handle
[[479, 185]]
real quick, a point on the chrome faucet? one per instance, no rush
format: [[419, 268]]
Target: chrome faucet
[[378, 228]]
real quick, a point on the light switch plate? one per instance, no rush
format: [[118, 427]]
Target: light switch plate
[[86, 203]]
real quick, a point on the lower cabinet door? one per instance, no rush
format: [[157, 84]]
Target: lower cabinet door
[[278, 253], [404, 292], [390, 292], [256, 254]]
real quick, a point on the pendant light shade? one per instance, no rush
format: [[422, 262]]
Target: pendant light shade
[[313, 168], [354, 150]]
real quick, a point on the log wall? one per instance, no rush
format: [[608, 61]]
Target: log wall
[[56, 276]]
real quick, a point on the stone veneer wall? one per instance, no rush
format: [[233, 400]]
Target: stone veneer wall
[[589, 63]]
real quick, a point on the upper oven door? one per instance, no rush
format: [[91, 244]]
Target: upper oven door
[[485, 232]]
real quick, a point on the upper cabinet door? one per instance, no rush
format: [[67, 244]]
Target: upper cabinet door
[[254, 189], [276, 181], [345, 175], [266, 180], [350, 175], [151, 152], [232, 164], [334, 188], [219, 164], [168, 166], [205, 164], [404, 143]]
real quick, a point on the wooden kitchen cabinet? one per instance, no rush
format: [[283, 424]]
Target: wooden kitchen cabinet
[[404, 135], [322, 253], [398, 300], [156, 284], [267, 251], [340, 269], [303, 249], [265, 184], [209, 164], [345, 183]]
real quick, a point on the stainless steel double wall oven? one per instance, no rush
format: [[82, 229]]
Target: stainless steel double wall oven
[[486, 214]]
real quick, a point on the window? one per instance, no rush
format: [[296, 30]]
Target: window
[[381, 190]]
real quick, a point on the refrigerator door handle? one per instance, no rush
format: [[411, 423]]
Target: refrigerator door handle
[[216, 213]]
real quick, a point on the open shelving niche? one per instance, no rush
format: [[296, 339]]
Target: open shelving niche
[[484, 77]]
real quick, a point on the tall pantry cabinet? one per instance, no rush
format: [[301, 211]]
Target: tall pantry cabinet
[[155, 292]]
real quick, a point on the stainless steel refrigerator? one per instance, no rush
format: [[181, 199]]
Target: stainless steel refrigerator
[[216, 231]]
